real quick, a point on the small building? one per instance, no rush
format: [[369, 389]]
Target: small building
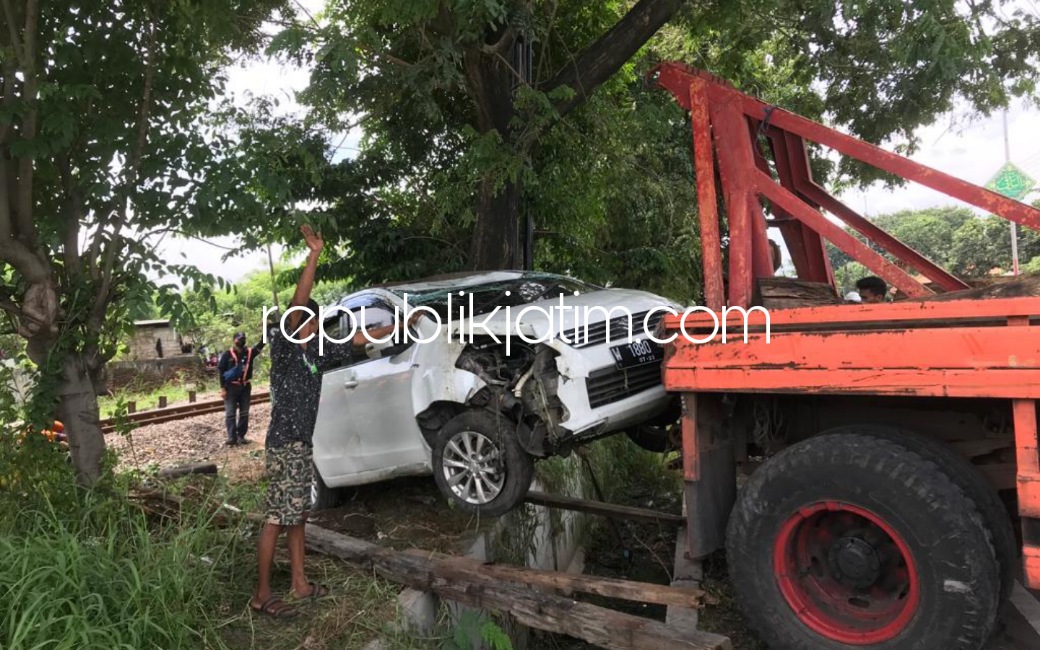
[[157, 339]]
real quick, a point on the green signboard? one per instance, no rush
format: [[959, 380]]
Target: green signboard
[[1011, 181]]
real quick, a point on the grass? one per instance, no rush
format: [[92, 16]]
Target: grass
[[90, 570], [85, 570], [102, 575], [175, 391], [360, 608]]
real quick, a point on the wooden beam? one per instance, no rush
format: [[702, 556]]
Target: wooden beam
[[185, 470], [548, 612], [603, 509], [569, 583]]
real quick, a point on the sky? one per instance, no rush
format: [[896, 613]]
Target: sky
[[971, 149], [966, 146]]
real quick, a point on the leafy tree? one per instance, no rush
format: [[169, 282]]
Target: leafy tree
[[461, 142], [445, 89], [929, 231], [105, 144], [955, 238]]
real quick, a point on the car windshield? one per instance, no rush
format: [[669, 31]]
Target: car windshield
[[521, 291]]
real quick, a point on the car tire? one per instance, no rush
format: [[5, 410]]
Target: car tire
[[323, 497], [478, 463], [850, 541], [967, 478]]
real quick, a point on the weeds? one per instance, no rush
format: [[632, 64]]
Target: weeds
[[102, 575]]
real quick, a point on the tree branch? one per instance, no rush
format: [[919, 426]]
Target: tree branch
[[8, 40], [502, 45], [8, 306], [23, 217], [600, 60], [73, 216], [12, 29], [5, 202], [23, 260], [130, 178]]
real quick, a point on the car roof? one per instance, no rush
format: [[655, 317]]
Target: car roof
[[460, 280]]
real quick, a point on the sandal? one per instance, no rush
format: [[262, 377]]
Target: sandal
[[275, 607], [317, 592]]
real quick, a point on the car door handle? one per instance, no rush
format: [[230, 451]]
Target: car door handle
[[350, 383]]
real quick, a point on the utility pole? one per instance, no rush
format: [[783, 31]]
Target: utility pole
[[523, 59], [1014, 226], [274, 282]]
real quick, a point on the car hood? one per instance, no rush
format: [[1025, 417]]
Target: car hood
[[545, 319]]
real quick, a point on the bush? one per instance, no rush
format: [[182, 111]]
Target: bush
[[88, 570]]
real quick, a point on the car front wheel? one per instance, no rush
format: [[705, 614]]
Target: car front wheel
[[323, 497], [479, 465]]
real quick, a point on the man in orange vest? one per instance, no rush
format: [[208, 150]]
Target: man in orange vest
[[235, 370]]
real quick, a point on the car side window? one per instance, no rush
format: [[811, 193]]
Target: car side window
[[378, 314], [333, 327], [370, 312], [337, 327]]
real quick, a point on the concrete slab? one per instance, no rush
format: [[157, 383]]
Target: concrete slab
[[418, 611], [1018, 628], [1028, 606], [687, 573]]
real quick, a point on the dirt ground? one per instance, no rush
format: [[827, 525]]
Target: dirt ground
[[409, 513], [193, 440]]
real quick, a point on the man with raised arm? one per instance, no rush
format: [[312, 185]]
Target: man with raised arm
[[296, 368]]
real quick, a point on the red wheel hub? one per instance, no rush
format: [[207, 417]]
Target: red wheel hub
[[846, 573]]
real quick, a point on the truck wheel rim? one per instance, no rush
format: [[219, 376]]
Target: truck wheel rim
[[846, 573], [473, 468]]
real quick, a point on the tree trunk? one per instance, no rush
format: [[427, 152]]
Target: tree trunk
[[78, 411], [496, 236], [490, 82]]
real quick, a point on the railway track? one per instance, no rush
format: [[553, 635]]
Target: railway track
[[169, 414]]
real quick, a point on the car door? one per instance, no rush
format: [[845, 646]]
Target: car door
[[366, 428]]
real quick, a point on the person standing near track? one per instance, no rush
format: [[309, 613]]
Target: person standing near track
[[235, 371]]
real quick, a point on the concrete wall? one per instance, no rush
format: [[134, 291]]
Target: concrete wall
[[20, 384], [150, 372], [142, 346], [533, 536]]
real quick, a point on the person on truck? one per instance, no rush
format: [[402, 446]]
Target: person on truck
[[235, 373], [871, 289]]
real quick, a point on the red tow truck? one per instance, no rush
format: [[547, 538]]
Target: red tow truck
[[891, 440]]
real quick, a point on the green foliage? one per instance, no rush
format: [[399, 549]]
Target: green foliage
[[108, 117], [955, 238], [609, 185], [623, 468], [92, 571], [879, 69], [471, 626]]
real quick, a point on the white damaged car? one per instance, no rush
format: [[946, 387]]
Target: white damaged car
[[477, 415]]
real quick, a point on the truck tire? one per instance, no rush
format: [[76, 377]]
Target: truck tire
[[967, 478], [849, 541], [323, 497], [479, 465]]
